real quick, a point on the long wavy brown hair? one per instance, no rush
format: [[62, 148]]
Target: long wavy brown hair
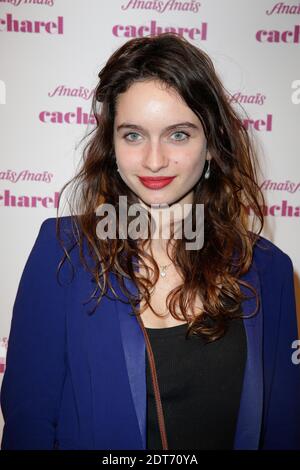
[[231, 196]]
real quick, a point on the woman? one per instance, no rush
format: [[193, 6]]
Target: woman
[[123, 342]]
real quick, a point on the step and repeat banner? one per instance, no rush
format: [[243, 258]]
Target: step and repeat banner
[[50, 54]]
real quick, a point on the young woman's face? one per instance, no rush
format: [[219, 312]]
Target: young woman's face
[[145, 147]]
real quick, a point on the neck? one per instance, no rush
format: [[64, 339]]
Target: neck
[[164, 216]]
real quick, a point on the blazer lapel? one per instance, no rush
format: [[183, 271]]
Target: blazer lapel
[[250, 412], [251, 405], [135, 356]]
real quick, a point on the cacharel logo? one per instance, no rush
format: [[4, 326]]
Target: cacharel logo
[[242, 98], [79, 116], [8, 199], [162, 6], [164, 220], [10, 24], [280, 209], [81, 92], [275, 35], [17, 3], [260, 124], [153, 29]]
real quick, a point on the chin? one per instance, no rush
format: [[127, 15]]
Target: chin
[[163, 202]]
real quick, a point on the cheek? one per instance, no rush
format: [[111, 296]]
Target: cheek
[[191, 169], [186, 155], [198, 167], [189, 163], [126, 157]]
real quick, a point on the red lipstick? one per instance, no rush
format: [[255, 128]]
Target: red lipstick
[[156, 182]]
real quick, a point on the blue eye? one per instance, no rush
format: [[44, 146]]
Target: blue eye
[[131, 133], [136, 134], [183, 133]]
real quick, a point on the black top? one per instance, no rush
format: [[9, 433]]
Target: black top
[[200, 386]]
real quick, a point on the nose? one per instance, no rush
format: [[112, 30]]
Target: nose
[[155, 158]]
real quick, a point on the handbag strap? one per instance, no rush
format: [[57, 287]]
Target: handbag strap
[[159, 409]]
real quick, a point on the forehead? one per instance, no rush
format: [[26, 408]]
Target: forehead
[[151, 101]]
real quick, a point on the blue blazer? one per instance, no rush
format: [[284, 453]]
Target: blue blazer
[[77, 381]]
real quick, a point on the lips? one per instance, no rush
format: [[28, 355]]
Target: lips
[[156, 182]]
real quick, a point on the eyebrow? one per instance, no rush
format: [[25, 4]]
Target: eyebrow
[[185, 124]]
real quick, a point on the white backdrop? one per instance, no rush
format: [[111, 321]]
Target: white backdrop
[[50, 54]]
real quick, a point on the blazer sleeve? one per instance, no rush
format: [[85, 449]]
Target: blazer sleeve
[[282, 431], [36, 366]]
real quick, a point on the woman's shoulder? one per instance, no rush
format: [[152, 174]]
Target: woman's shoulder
[[55, 236], [59, 232], [268, 256], [49, 225]]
